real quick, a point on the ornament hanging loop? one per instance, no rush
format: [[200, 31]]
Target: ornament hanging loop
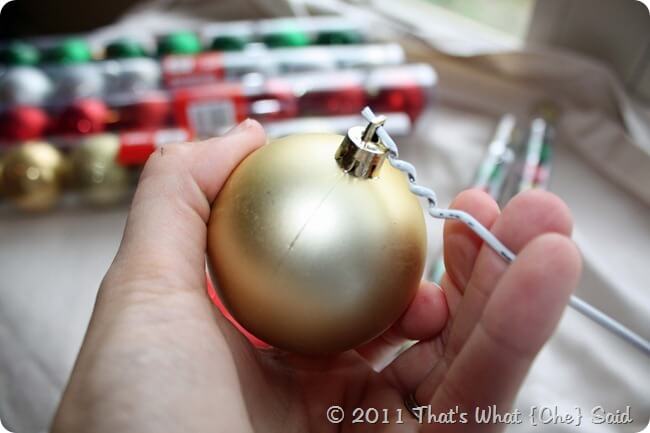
[[370, 133]]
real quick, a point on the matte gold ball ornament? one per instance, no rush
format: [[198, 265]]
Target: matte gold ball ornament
[[33, 176], [315, 245], [99, 179]]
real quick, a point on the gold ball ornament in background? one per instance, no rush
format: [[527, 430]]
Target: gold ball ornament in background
[[98, 177], [33, 175], [314, 244]]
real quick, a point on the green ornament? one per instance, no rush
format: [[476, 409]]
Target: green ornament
[[124, 48], [228, 43], [286, 38], [338, 37], [20, 54], [179, 43], [73, 50]]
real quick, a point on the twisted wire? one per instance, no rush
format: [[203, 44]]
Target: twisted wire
[[575, 302]]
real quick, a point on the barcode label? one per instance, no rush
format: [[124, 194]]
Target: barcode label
[[208, 119]]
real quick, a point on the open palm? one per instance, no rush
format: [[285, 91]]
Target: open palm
[[159, 357]]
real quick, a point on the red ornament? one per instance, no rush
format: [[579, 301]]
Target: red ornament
[[23, 122], [409, 99], [85, 116], [331, 102]]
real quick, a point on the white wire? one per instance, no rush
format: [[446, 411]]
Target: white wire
[[576, 303]]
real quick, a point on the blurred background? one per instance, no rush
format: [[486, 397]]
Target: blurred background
[[505, 95]]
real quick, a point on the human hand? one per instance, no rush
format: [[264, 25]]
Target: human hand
[[159, 357]]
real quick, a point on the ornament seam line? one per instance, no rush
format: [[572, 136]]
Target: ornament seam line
[[304, 226]]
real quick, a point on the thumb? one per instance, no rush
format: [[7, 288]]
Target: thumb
[[164, 240], [151, 344]]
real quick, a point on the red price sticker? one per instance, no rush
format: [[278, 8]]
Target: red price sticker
[[136, 146]]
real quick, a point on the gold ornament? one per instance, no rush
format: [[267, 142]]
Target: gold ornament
[[33, 176], [314, 244], [98, 177]]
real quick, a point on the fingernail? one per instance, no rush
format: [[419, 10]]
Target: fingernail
[[242, 126]]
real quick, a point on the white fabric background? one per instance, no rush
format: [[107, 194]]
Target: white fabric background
[[51, 265]]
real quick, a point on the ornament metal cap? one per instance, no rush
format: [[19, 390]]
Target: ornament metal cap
[[361, 152]]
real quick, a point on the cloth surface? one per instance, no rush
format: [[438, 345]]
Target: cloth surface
[[52, 265]]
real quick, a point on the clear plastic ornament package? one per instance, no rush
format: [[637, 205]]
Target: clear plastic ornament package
[[142, 91]]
